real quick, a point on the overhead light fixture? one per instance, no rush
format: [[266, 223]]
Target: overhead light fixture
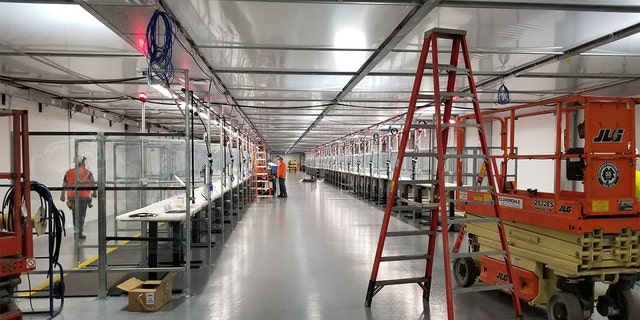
[[164, 91]]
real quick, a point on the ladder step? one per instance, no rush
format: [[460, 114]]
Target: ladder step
[[424, 181], [446, 95], [473, 220], [414, 208], [477, 254], [446, 156], [264, 196], [414, 204], [466, 202], [448, 68], [420, 154], [422, 256], [464, 156], [409, 233], [447, 125], [401, 281], [469, 188], [481, 288], [462, 125]]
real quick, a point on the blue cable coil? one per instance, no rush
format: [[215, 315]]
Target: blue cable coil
[[159, 49], [503, 95]]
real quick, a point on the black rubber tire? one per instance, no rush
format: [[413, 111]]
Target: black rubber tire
[[629, 303], [465, 271], [564, 306]]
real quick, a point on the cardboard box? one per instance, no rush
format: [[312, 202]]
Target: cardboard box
[[150, 295]]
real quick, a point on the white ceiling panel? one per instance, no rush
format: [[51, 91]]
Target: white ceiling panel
[[302, 73]]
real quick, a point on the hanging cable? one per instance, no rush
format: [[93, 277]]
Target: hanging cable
[[56, 230], [159, 49]]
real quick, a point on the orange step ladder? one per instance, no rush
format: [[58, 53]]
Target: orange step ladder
[[261, 183], [443, 99]]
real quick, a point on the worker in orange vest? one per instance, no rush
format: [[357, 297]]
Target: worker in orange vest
[[281, 173], [78, 200]]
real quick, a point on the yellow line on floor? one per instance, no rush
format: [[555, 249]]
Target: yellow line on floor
[[78, 267]]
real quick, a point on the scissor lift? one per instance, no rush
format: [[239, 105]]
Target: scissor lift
[[562, 243], [16, 239]]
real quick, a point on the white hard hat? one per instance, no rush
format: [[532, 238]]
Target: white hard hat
[[78, 159]]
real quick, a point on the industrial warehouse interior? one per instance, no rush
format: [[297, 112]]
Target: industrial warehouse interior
[[319, 159]]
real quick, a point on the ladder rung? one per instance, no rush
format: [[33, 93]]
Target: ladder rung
[[448, 68], [264, 196], [447, 125], [422, 256], [456, 94], [424, 181], [426, 205], [477, 254], [446, 95], [473, 220], [400, 208], [467, 202], [480, 288], [462, 125], [420, 154], [423, 126], [401, 281], [409, 233], [470, 188], [464, 156]]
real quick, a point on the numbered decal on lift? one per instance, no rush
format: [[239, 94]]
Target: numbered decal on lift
[[608, 175]]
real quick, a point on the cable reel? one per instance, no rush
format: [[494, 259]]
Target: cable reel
[[38, 221]]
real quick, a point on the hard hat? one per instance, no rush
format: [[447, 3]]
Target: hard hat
[[78, 159]]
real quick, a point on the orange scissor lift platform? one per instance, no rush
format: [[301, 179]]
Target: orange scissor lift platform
[[16, 239], [565, 241]]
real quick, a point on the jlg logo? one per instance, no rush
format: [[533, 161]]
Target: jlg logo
[[565, 209], [503, 277], [608, 135]]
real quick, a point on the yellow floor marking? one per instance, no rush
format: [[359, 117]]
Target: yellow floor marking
[[78, 267]]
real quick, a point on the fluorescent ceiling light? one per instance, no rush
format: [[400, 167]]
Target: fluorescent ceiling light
[[164, 91]]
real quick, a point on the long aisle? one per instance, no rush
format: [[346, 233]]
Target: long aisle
[[308, 256]]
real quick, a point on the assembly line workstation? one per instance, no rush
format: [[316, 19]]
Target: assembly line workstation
[[173, 211]]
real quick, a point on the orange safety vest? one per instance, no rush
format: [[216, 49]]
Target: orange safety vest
[[84, 180], [282, 170]]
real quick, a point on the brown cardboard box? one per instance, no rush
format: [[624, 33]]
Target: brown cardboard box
[[150, 295]]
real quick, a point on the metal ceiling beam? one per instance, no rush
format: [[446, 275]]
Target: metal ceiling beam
[[214, 74], [371, 2], [410, 21], [40, 1], [71, 54], [603, 40], [412, 74], [561, 5]]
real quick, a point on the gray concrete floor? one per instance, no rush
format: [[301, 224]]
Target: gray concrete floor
[[308, 256]]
